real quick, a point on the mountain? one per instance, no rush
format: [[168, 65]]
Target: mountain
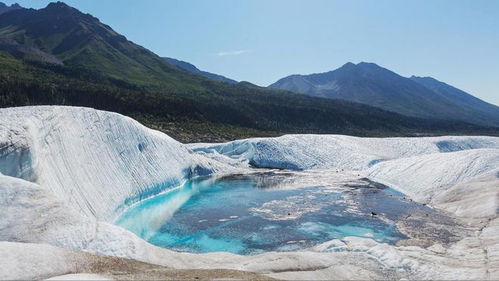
[[193, 69], [27, 53], [4, 8], [98, 67], [370, 84], [483, 110], [82, 40]]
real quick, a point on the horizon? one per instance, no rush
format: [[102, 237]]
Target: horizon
[[441, 47]]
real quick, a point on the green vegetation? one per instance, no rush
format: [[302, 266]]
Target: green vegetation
[[103, 70]]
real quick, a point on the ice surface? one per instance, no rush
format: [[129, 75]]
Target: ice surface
[[303, 152], [68, 172], [423, 177], [80, 276]]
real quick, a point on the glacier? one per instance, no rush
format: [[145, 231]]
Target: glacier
[[419, 167], [96, 161], [66, 174]]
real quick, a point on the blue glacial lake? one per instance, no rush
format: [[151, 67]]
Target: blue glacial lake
[[250, 214]]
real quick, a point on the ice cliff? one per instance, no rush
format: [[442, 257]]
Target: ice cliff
[[95, 161]]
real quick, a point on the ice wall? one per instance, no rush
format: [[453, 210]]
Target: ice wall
[[93, 160]]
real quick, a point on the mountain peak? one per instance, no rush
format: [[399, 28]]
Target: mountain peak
[[58, 5], [361, 65], [61, 8], [374, 85], [413, 77], [6, 8], [369, 64], [65, 32]]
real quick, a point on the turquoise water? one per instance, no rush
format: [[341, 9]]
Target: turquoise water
[[246, 215]]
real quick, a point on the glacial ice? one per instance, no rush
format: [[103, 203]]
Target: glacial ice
[[96, 161], [67, 172], [303, 152], [418, 167]]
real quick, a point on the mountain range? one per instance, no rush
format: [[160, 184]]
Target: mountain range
[[484, 113], [370, 84], [193, 69], [5, 8], [59, 55]]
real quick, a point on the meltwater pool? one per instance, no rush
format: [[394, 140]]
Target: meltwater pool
[[250, 214]]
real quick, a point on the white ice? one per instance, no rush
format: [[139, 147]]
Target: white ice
[[68, 172]]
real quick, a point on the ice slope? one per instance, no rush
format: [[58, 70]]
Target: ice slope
[[302, 152], [22, 261], [478, 197], [93, 160], [424, 176]]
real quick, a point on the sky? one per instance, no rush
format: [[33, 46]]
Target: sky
[[261, 41]]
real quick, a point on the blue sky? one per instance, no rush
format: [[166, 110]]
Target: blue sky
[[455, 41]]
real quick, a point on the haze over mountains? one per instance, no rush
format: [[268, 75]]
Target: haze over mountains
[[59, 55], [370, 84]]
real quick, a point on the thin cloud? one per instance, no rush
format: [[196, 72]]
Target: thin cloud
[[232, 53]]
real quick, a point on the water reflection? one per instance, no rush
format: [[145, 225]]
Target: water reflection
[[272, 211]]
